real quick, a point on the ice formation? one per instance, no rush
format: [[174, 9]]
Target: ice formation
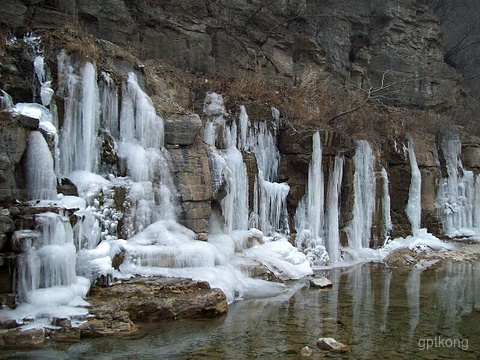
[[249, 228]]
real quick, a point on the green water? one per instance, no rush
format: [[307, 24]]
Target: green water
[[379, 313]]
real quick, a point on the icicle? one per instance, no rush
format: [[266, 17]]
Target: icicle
[[46, 92], [364, 202], [458, 201], [235, 204], [244, 125], [414, 205], [333, 210], [386, 217], [214, 111], [78, 136], [109, 108], [309, 216], [49, 260], [139, 121], [41, 179]]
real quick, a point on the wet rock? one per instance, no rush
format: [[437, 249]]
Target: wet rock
[[62, 322], [306, 351], [67, 334], [154, 299], [8, 323], [19, 338], [332, 345], [320, 283], [67, 187], [6, 226]]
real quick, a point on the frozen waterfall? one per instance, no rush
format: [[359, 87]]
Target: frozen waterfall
[[309, 217], [458, 197], [414, 205], [359, 232]]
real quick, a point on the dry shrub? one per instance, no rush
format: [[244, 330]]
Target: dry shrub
[[74, 40]]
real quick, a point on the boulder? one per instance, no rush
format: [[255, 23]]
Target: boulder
[[306, 351], [332, 345], [114, 308], [19, 338], [320, 282], [181, 129]]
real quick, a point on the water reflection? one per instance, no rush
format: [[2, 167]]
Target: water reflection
[[376, 311]]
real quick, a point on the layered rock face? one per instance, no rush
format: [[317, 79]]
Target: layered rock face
[[369, 45]]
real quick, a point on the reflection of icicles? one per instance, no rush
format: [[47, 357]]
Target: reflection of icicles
[[333, 211], [359, 231], [413, 295], [459, 279], [41, 179], [414, 205], [359, 285], [386, 217], [387, 278]]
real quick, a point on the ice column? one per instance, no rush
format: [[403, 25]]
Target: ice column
[[109, 100], [78, 136], [386, 217], [41, 179], [364, 201], [151, 193], [309, 216], [215, 111], [48, 260], [414, 205], [333, 210], [458, 198], [270, 201]]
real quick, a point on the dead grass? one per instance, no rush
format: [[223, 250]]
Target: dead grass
[[74, 40]]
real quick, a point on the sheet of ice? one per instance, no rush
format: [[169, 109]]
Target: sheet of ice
[[283, 259], [40, 174], [421, 240], [215, 112], [46, 303], [231, 281], [166, 243], [139, 121], [89, 184]]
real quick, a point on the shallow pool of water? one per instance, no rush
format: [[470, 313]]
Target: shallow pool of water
[[376, 311]]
